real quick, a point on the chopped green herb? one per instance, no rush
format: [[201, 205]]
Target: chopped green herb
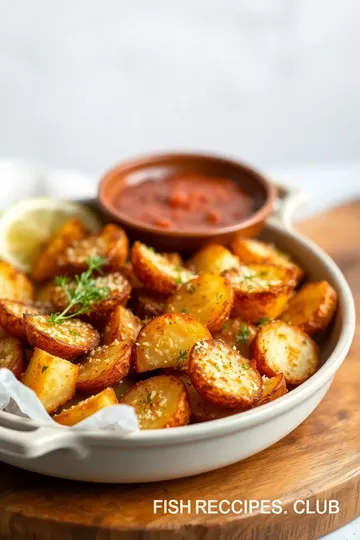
[[225, 325], [263, 273], [44, 368], [183, 310], [245, 366], [74, 333], [191, 288], [263, 321], [181, 357], [218, 296], [148, 397], [243, 336]]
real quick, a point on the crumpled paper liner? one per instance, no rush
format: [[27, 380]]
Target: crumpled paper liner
[[18, 399]]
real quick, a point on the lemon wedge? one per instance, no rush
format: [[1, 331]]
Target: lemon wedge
[[27, 226]]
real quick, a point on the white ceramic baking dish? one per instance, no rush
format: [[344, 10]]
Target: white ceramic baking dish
[[104, 456]]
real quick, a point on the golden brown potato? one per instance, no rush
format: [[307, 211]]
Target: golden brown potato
[[14, 285], [111, 243], [104, 366], [272, 389], [212, 259], [260, 290], [281, 348], [122, 324], [159, 402], [201, 409], [86, 408], [155, 271], [47, 264], [149, 304], [209, 298], [166, 341], [52, 379], [12, 316], [12, 355], [173, 258], [252, 251], [117, 291], [44, 292], [69, 339], [237, 333], [222, 376], [312, 308], [128, 271]]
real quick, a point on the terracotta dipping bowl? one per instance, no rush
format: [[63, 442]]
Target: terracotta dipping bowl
[[156, 166]]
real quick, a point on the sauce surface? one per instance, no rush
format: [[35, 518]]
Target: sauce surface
[[186, 202]]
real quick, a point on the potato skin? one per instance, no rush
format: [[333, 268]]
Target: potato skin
[[281, 348], [222, 376], [155, 271], [212, 259], [159, 402], [272, 389], [68, 340], [121, 325], [312, 308], [165, 342], [11, 317], [47, 264], [86, 408], [104, 366], [208, 297], [15, 285], [12, 355]]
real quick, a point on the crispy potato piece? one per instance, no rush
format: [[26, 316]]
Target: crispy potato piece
[[86, 408], [116, 286], [15, 285], [201, 409], [69, 339], [212, 259], [159, 402], [2, 332], [281, 348], [209, 298], [252, 251], [111, 243], [47, 264], [122, 324], [52, 379], [166, 341], [237, 333], [104, 366], [260, 290], [272, 389], [128, 271], [149, 304], [312, 308], [12, 355], [12, 316], [173, 258], [121, 387], [155, 271], [222, 376]]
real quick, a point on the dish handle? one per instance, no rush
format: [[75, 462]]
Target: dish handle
[[288, 201]]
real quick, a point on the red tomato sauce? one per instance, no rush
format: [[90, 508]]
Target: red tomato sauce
[[186, 202]]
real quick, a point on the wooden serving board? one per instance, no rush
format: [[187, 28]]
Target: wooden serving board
[[319, 460]]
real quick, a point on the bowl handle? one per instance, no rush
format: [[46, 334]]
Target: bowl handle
[[288, 201]]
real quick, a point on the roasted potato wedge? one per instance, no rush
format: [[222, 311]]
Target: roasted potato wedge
[[260, 290], [208, 297], [281, 348], [272, 389], [159, 402], [104, 366], [149, 304], [155, 271], [15, 285], [122, 324], [52, 379], [116, 291], [111, 243], [312, 308], [12, 355], [252, 251], [69, 339], [128, 271], [222, 376], [47, 264], [212, 259], [166, 341], [237, 333], [201, 409], [86, 408], [12, 316]]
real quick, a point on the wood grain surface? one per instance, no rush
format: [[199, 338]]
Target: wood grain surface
[[319, 460]]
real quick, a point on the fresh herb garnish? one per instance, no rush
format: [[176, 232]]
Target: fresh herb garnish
[[245, 366], [179, 270], [181, 357], [191, 288], [183, 310], [82, 292], [218, 296], [243, 336], [225, 325], [148, 397], [44, 368], [263, 321]]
